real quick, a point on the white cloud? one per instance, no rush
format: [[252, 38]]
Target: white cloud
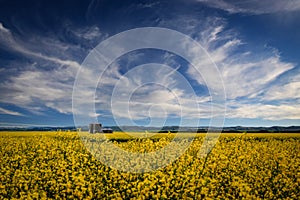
[[147, 91], [254, 6], [245, 75], [249, 76], [9, 112], [35, 89], [92, 33], [248, 79], [136, 92], [48, 81], [284, 91], [3, 29], [263, 111], [11, 43]]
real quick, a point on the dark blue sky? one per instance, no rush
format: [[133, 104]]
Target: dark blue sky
[[254, 44]]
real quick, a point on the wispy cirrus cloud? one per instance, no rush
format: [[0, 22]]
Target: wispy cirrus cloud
[[3, 29], [255, 7], [287, 91], [46, 80], [249, 80], [10, 112], [35, 89], [246, 76], [243, 74], [12, 43], [263, 111]]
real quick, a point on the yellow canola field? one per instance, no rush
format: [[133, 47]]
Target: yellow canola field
[[56, 165]]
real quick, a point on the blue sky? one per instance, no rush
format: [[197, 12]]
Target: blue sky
[[254, 44]]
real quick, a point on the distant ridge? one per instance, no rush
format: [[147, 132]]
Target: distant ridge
[[233, 129]]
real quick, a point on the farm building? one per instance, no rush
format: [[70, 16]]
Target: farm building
[[107, 130], [95, 128]]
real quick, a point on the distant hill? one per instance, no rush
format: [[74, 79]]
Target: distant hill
[[273, 129], [166, 129], [36, 128]]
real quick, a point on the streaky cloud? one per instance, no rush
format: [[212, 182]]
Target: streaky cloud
[[254, 7], [10, 112]]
